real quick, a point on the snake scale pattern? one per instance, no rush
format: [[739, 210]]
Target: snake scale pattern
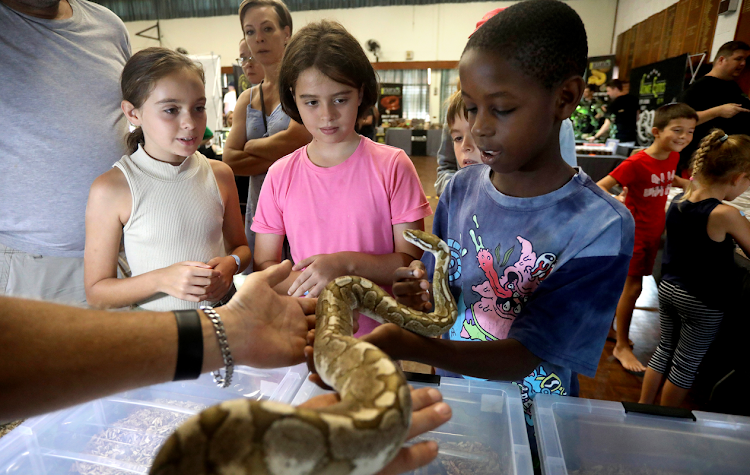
[[358, 435]]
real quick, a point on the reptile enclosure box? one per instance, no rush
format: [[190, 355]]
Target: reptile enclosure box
[[587, 437], [485, 436], [121, 434]]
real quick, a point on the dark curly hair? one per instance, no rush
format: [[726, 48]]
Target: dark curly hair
[[328, 47], [545, 38]]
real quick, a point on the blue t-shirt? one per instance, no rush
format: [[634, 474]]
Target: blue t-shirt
[[546, 271]]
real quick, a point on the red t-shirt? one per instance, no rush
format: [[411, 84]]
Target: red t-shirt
[[649, 181]]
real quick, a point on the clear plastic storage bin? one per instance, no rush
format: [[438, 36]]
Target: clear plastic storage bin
[[587, 437], [121, 434], [485, 436]]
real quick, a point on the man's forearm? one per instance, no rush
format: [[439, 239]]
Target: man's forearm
[[708, 114], [53, 356]]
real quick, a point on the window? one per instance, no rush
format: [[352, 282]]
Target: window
[[448, 85], [416, 100]]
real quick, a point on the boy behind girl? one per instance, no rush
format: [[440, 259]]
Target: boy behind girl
[[540, 252], [646, 178], [464, 147]]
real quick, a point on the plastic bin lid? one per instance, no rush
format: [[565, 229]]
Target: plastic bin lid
[[121, 434], [486, 434], [583, 436]]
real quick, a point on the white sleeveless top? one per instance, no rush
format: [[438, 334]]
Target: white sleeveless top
[[177, 215]]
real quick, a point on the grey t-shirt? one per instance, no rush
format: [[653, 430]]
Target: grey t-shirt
[[60, 122]]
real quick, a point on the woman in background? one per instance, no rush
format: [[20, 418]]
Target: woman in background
[[262, 133]]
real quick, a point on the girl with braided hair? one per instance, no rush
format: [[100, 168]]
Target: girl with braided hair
[[698, 264]]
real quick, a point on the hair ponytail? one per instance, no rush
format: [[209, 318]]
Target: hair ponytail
[[719, 159], [134, 139]]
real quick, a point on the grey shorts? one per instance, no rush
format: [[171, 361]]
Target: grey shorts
[[55, 279]]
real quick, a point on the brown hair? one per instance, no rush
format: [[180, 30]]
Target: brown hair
[[720, 158], [328, 47], [615, 84], [285, 18], [140, 75], [456, 106], [676, 110], [727, 49]]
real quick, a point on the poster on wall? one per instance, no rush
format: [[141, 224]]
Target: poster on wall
[[655, 85], [390, 103], [599, 71], [240, 81]]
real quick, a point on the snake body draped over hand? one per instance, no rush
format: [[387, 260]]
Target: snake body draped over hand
[[359, 435]]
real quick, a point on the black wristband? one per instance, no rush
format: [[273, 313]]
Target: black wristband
[[189, 345]]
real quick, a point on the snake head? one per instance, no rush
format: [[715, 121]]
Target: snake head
[[422, 239]]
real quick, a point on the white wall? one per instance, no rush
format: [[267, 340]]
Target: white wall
[[434, 32], [726, 27], [631, 12]]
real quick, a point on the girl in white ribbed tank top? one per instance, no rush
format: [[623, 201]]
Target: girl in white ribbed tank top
[[177, 212]]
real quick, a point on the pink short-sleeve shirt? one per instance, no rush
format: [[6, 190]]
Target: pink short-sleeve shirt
[[349, 207]]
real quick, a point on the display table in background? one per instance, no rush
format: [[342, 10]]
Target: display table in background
[[599, 166], [414, 142]]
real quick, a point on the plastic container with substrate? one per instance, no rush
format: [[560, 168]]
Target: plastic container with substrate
[[485, 436], [121, 434]]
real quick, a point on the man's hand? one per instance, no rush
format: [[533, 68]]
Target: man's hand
[[411, 288], [428, 413], [319, 271], [271, 328], [730, 110], [220, 284]]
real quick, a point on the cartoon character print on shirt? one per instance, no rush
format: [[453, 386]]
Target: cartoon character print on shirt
[[502, 296], [539, 381]]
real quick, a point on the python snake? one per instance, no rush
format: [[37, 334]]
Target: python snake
[[358, 435]]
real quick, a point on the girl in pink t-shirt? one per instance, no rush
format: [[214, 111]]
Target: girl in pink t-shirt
[[342, 201]]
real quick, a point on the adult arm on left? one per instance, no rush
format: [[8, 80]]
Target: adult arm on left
[[53, 356]]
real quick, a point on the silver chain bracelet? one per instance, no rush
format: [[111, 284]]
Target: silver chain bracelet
[[226, 355]]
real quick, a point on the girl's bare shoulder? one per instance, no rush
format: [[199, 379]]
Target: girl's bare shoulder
[[111, 184]]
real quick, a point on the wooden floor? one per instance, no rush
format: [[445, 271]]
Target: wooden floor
[[612, 382]]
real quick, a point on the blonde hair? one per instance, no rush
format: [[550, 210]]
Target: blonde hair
[[456, 106], [720, 158]]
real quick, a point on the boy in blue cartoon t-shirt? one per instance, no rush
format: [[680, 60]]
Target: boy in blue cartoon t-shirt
[[540, 252]]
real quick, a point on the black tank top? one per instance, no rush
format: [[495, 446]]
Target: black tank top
[[692, 260]]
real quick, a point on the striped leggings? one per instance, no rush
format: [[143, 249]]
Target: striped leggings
[[688, 328]]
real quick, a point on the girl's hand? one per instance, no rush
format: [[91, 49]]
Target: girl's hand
[[220, 284], [319, 271], [411, 288], [186, 280]]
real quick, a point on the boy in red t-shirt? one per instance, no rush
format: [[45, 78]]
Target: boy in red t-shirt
[[646, 178]]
